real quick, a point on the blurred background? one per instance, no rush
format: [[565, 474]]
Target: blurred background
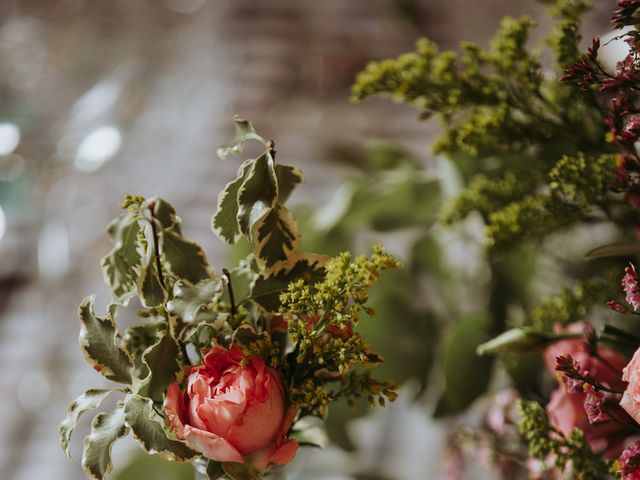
[[100, 98]]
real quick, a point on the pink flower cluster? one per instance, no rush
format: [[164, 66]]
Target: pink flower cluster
[[574, 404], [631, 286]]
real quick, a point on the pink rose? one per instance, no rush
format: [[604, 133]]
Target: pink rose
[[232, 412], [566, 409], [631, 397]]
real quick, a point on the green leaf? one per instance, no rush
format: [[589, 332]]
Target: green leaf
[[615, 250], [246, 335], [241, 471], [224, 222], [190, 302], [150, 289], [289, 177], [165, 214], [87, 401], [148, 428], [184, 258], [272, 282], [258, 193], [151, 467], [214, 470], [241, 278], [401, 200], [137, 338], [310, 430], [162, 362], [106, 428], [276, 236], [244, 133], [459, 360], [98, 342], [120, 266]]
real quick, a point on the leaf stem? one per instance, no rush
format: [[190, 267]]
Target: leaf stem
[[230, 288], [156, 245]]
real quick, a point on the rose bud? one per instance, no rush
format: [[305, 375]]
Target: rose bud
[[233, 410]]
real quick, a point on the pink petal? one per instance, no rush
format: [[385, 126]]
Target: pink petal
[[220, 415], [173, 406], [211, 446], [285, 453]]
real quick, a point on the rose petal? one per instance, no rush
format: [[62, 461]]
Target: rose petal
[[260, 425], [174, 406], [285, 453], [211, 446], [220, 415]]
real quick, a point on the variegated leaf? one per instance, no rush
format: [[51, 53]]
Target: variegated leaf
[[272, 282], [87, 401], [184, 258], [244, 133], [258, 193], [121, 265], [289, 177], [164, 213], [162, 362], [148, 427], [150, 288], [99, 344], [106, 428], [224, 222], [276, 236], [191, 300]]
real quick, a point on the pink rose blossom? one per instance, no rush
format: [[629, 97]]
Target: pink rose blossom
[[566, 409], [232, 412], [631, 287]]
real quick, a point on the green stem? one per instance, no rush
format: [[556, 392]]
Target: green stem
[[156, 245]]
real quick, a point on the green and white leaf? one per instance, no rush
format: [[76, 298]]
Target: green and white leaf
[[289, 177], [310, 430], [224, 222], [107, 427], [190, 302], [164, 213], [244, 133], [183, 257], [148, 428], [258, 193], [99, 344], [275, 235], [121, 265], [87, 401], [272, 282], [150, 289], [162, 362]]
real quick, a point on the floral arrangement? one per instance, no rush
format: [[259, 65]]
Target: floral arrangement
[[225, 370], [544, 157]]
